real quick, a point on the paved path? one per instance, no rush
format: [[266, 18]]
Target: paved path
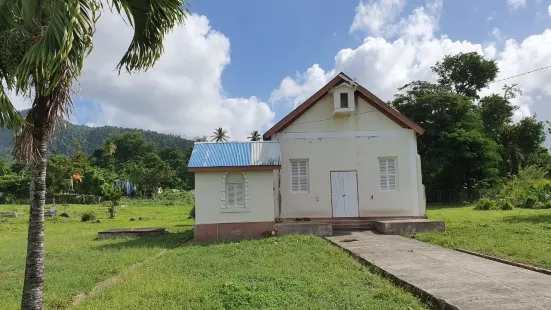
[[463, 281]]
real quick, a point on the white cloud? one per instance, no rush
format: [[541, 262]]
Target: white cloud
[[383, 65], [549, 10], [182, 94], [496, 33], [380, 18], [516, 4], [376, 15]]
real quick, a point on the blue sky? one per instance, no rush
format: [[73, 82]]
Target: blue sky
[[245, 64], [294, 34]]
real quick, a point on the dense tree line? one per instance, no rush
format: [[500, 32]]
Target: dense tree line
[[470, 141], [91, 138], [125, 156]]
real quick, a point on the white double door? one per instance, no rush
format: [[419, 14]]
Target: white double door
[[344, 193]]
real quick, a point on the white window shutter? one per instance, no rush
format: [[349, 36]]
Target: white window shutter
[[383, 174], [231, 194], [299, 175], [239, 198], [388, 176], [391, 173]]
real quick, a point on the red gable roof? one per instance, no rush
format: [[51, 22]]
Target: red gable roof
[[361, 92]]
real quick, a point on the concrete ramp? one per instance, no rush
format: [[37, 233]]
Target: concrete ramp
[[449, 279]]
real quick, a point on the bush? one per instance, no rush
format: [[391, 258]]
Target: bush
[[527, 193], [542, 205], [192, 213], [485, 204], [530, 202], [88, 216], [504, 204]]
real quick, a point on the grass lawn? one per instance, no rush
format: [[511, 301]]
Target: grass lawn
[[75, 261], [521, 235], [277, 273]]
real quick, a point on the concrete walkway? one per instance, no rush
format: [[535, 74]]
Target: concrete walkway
[[457, 280]]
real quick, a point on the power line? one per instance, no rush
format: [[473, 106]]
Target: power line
[[525, 73]]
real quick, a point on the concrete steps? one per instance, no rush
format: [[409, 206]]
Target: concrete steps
[[351, 225]]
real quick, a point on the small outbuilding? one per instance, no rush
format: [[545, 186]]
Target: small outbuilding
[[234, 189]]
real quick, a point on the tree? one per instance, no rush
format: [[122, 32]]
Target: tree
[[219, 135], [130, 145], [110, 147], [454, 151], [255, 136], [60, 171], [176, 160], [113, 196], [496, 112], [466, 73], [43, 45]]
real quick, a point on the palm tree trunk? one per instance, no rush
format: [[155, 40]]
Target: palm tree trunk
[[33, 288]]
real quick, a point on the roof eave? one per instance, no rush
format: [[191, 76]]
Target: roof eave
[[390, 112], [234, 168]]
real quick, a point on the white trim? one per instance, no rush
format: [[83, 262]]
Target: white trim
[[413, 174], [372, 134]]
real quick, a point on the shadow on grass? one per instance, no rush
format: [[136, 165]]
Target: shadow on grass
[[437, 206], [168, 240], [530, 218]]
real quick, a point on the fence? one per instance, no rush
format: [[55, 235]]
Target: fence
[[73, 199], [452, 196]]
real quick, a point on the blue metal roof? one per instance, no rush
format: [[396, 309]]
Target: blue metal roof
[[234, 154]]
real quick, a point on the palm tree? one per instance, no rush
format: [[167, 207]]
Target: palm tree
[[109, 147], [255, 136], [219, 135], [43, 45]]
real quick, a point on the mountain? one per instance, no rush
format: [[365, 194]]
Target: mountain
[[92, 138]]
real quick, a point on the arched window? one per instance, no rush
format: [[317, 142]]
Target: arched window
[[235, 190]]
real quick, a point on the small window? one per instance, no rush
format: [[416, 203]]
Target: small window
[[235, 195], [299, 176], [388, 173], [344, 100]]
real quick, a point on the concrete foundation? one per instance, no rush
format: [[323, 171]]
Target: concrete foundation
[[401, 227], [131, 232], [304, 228]]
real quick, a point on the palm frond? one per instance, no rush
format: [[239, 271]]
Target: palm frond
[[151, 21], [58, 105], [65, 40], [9, 117]]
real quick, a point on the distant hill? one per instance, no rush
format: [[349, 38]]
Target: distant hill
[[91, 138]]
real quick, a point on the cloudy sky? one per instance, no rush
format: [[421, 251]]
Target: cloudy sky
[[245, 64]]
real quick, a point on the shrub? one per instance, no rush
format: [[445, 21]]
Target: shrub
[[192, 213], [530, 202], [113, 196], [504, 204], [542, 205], [485, 204], [88, 216]]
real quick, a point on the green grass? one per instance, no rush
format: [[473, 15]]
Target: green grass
[[75, 261], [521, 235], [276, 273]]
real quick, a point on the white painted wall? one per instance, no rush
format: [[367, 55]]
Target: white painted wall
[[208, 198], [349, 143]]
